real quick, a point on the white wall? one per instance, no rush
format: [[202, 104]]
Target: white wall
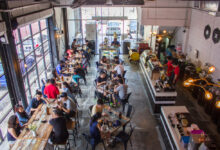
[[208, 51], [166, 13]]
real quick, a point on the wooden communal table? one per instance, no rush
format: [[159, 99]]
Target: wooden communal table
[[26, 140]]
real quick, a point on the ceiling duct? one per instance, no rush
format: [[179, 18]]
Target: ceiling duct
[[128, 2]]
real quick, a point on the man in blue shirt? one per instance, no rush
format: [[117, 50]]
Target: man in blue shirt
[[115, 43], [60, 67]]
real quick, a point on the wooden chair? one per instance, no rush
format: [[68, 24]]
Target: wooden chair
[[71, 126]]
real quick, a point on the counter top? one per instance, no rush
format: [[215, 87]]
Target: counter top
[[165, 111], [152, 83]]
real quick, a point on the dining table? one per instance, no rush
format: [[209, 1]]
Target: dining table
[[36, 134], [110, 123]]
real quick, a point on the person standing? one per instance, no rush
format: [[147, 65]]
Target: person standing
[[175, 73], [169, 66], [51, 91]]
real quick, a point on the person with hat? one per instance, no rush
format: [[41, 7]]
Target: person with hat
[[67, 106], [59, 133]]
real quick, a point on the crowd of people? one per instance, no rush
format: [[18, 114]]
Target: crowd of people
[[64, 96], [110, 86]]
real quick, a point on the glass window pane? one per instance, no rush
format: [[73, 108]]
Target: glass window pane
[[29, 63], [40, 66], [15, 33], [25, 32], [47, 59], [4, 124], [42, 77], [32, 75], [25, 82], [39, 53], [130, 12], [27, 46], [35, 27], [34, 87], [73, 13], [28, 96], [88, 12], [37, 40], [46, 46], [44, 35], [43, 24], [19, 52]]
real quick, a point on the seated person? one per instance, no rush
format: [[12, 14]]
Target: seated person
[[65, 57], [35, 102], [79, 73], [21, 115], [69, 91], [120, 91], [115, 43], [51, 90], [13, 130], [55, 74], [60, 67], [70, 53], [67, 106], [103, 61], [102, 79], [118, 77], [98, 108], [59, 133], [119, 69], [44, 85], [95, 130]]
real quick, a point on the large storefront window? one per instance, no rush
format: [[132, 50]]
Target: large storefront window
[[33, 53], [98, 23], [5, 106]]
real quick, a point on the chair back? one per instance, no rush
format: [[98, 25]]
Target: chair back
[[97, 64], [124, 73], [131, 131], [128, 96], [129, 110]]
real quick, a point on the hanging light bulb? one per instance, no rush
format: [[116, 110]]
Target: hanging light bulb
[[25, 65], [164, 31], [190, 80], [159, 38], [208, 95], [211, 69], [186, 84], [217, 104]]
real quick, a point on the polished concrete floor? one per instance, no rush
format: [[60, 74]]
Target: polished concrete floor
[[148, 133]]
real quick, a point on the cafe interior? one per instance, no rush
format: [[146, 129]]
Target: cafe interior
[[109, 74]]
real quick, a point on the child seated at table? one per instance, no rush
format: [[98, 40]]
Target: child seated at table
[[21, 115], [59, 133], [13, 130], [67, 106], [98, 108]]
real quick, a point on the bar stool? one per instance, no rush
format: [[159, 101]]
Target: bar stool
[[65, 144]]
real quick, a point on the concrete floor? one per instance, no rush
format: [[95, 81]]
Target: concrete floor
[[145, 136], [148, 134]]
